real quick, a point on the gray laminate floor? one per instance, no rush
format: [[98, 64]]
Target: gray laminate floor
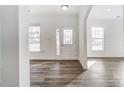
[[101, 73]]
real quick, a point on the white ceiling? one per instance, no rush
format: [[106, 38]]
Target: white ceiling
[[53, 10], [99, 12]]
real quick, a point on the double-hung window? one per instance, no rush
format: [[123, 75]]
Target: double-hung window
[[34, 38], [97, 38]]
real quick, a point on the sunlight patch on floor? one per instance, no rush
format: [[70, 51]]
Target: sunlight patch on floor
[[90, 63]]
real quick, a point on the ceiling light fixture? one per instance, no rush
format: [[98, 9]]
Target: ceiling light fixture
[[64, 7], [108, 10]]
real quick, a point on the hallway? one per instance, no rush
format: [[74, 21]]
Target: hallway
[[101, 73]]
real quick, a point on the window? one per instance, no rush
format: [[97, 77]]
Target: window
[[67, 36], [97, 38], [58, 42], [34, 38]]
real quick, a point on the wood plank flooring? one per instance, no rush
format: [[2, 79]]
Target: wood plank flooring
[[101, 73]]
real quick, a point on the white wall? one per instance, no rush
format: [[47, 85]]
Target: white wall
[[49, 24], [113, 40], [9, 45], [24, 65], [14, 47], [84, 12]]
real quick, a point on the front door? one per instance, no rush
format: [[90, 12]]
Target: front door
[[66, 43]]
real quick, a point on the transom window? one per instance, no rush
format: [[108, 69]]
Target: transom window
[[97, 38], [34, 38]]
